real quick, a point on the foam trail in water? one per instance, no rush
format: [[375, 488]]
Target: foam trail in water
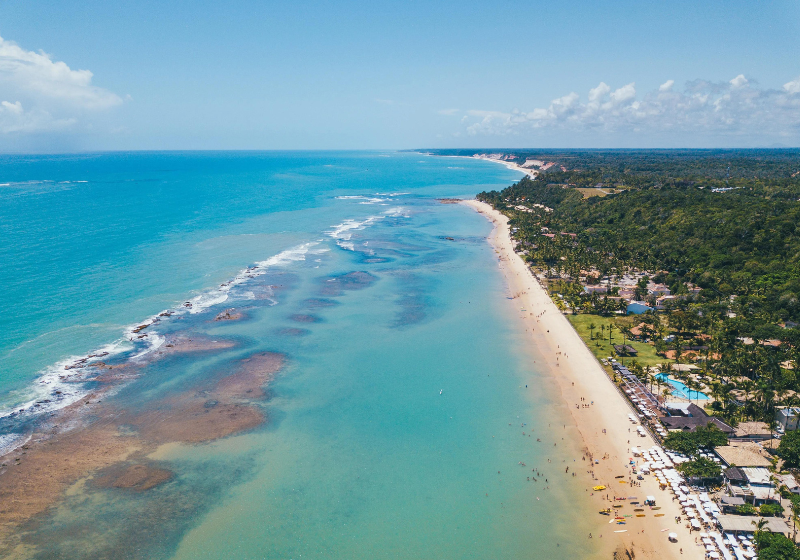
[[343, 231], [59, 385]]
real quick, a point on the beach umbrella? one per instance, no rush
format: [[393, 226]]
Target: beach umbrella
[[673, 537]]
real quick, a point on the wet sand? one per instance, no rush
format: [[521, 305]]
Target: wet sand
[[604, 425]]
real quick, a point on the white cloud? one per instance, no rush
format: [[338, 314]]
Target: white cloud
[[624, 93], [12, 108], [15, 119], [737, 107], [595, 94], [793, 86], [666, 86], [739, 81], [53, 94]]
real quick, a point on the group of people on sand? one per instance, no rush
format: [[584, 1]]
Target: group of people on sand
[[583, 403]]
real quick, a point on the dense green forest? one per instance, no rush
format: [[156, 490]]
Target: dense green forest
[[744, 242], [638, 168], [723, 221]]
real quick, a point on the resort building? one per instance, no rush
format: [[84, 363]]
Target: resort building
[[743, 455], [760, 483], [753, 431], [788, 418], [752, 485], [689, 417], [737, 524], [595, 289], [789, 481], [730, 504], [658, 289]]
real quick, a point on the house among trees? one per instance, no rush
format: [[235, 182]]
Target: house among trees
[[787, 417], [625, 350]]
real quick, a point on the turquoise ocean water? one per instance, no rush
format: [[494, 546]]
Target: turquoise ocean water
[[408, 404]]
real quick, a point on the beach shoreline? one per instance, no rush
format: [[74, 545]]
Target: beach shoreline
[[604, 426], [532, 173]]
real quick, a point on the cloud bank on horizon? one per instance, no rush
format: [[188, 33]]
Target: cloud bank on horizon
[[42, 98], [732, 110], [40, 95]]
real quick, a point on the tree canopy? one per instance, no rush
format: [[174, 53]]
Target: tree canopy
[[689, 443], [774, 546], [789, 449], [701, 468]]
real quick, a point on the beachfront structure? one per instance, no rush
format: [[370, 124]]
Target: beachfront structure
[[731, 504], [692, 417], [742, 455], [789, 481], [752, 485], [737, 486], [760, 484], [788, 417], [753, 431], [736, 524]]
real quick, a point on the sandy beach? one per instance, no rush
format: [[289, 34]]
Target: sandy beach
[[509, 164], [604, 426]]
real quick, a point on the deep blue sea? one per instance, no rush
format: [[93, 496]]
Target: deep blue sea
[[395, 428]]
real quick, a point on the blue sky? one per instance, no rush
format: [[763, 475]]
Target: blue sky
[[353, 74]]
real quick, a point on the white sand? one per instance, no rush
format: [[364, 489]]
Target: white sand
[[579, 374]]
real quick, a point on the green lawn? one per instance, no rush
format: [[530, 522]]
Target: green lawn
[[602, 348]]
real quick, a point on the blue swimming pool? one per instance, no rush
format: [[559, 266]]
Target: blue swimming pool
[[681, 390]]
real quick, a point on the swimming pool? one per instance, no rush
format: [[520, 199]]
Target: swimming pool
[[681, 390]]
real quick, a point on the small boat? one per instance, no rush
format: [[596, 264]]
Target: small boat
[[641, 515], [598, 488], [659, 515], [620, 476], [440, 391], [606, 511], [617, 505], [638, 509], [656, 507]]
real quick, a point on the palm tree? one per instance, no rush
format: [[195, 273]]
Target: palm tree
[[759, 525], [592, 327]]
